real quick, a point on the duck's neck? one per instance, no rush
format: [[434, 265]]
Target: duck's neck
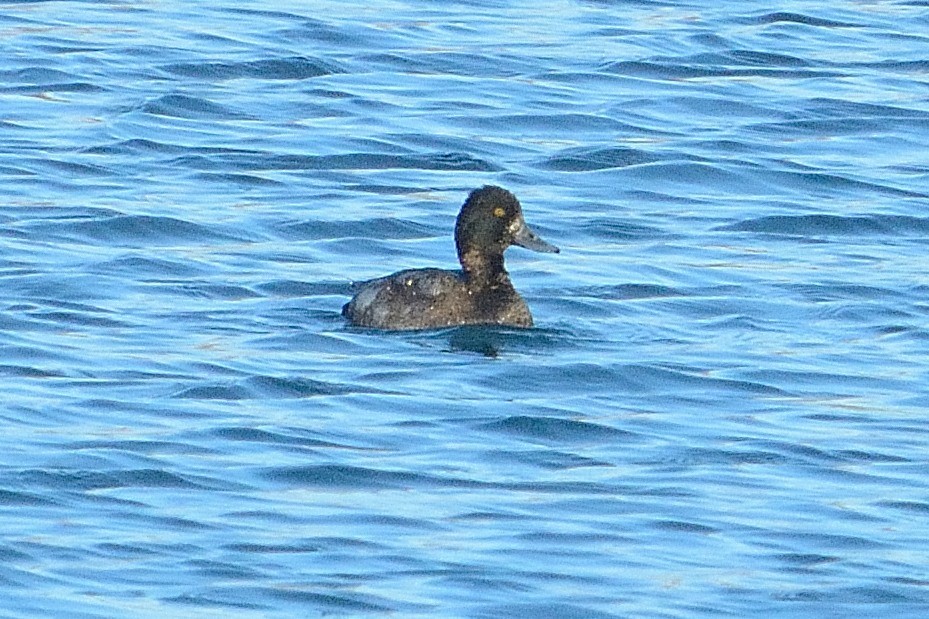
[[484, 270]]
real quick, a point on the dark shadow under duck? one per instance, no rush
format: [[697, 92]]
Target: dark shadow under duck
[[480, 293]]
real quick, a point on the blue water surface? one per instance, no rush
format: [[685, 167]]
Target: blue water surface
[[721, 411]]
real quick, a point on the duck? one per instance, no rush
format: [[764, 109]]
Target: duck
[[480, 293]]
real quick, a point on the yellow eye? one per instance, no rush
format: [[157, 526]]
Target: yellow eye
[[499, 212]]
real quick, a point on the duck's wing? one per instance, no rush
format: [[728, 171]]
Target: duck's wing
[[411, 299]]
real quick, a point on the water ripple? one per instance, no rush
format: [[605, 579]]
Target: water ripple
[[834, 225], [294, 68]]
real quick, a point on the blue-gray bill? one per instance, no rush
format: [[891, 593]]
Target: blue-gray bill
[[525, 237]]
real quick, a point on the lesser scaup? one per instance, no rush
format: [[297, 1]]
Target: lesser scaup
[[480, 293]]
